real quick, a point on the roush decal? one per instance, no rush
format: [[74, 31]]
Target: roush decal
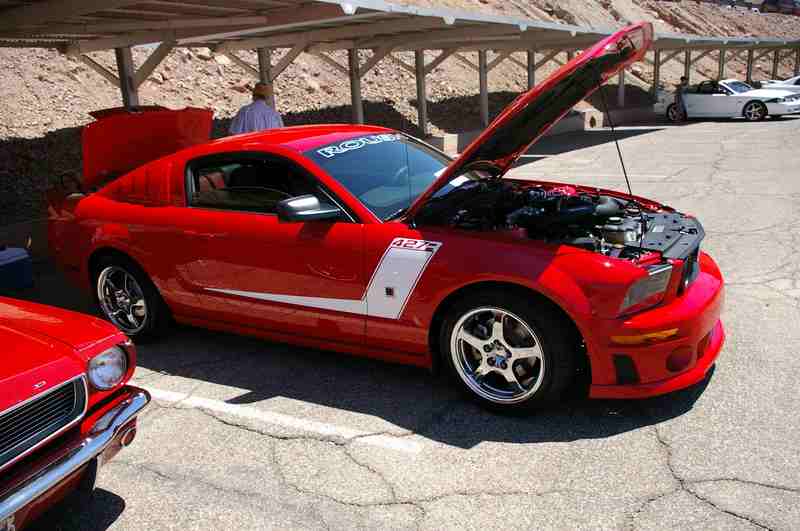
[[356, 143], [388, 291]]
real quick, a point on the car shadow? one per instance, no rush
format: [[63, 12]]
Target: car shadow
[[103, 509], [409, 398]]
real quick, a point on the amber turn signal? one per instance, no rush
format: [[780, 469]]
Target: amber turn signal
[[641, 339]]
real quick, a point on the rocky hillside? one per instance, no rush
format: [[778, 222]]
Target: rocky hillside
[[45, 96]]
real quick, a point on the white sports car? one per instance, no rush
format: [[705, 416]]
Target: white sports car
[[730, 98], [792, 84]]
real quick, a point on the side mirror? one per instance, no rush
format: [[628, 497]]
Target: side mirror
[[306, 208]]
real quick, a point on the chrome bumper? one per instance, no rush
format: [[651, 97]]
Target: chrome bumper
[[102, 435]]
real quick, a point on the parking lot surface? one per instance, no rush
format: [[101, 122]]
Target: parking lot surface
[[245, 434]]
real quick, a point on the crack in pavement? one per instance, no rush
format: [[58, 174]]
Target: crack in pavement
[[250, 496], [684, 485]]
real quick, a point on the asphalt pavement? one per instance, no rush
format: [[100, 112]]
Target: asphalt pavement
[[244, 434]]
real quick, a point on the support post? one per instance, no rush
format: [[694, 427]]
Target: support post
[[621, 89], [797, 62], [483, 81], [776, 60], [126, 73], [264, 71], [749, 77], [656, 72], [531, 68], [687, 65], [721, 65], [422, 93], [355, 86]]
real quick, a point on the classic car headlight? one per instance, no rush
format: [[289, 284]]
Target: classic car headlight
[[647, 291], [107, 369]]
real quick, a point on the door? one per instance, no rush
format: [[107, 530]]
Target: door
[[246, 267]]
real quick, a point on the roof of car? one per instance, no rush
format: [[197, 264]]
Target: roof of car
[[304, 137]]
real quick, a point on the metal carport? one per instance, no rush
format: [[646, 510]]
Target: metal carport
[[369, 30]]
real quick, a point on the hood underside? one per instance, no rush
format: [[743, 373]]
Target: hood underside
[[120, 140], [534, 112]]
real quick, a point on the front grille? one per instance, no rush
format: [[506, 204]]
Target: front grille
[[23, 427]]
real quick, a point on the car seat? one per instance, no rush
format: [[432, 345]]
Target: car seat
[[246, 176]]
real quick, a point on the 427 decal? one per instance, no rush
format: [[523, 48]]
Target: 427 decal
[[415, 245]]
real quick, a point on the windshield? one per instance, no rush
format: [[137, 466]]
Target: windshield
[[386, 172], [738, 86]]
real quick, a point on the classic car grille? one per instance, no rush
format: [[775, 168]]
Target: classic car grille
[[23, 427]]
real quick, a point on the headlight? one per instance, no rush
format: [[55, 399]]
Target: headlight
[[106, 370], [647, 291]]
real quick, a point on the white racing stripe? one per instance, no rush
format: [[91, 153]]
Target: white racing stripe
[[389, 289], [287, 421]]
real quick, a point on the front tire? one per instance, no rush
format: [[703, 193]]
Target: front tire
[[128, 299], [507, 351], [674, 114], [754, 111]]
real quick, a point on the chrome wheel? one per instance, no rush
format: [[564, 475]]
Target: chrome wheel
[[497, 355], [122, 299], [754, 111]]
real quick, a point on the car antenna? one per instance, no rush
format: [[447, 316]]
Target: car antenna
[[622, 161]]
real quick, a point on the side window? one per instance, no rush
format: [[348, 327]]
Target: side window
[[248, 184]]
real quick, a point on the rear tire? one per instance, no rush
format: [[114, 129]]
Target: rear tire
[[509, 352], [754, 111], [673, 113], [127, 298]]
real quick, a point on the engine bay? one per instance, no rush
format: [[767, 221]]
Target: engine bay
[[563, 214]]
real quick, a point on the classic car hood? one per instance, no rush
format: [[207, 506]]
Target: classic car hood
[[31, 364], [53, 325], [120, 140], [534, 112]]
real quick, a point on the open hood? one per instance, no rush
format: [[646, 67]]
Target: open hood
[[121, 140], [534, 112]]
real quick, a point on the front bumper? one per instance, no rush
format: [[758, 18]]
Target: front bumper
[[101, 438], [780, 109], [664, 365]]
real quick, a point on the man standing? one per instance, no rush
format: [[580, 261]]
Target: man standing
[[680, 102], [256, 116]]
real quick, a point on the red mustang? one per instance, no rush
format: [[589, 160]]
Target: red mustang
[[65, 408], [365, 240]]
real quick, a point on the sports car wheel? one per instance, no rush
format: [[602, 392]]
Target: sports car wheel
[[508, 352], [128, 299], [673, 114], [755, 111]]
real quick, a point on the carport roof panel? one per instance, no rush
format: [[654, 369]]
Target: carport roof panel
[[80, 26]]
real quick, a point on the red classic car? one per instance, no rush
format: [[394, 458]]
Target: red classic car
[[65, 407], [365, 240]]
